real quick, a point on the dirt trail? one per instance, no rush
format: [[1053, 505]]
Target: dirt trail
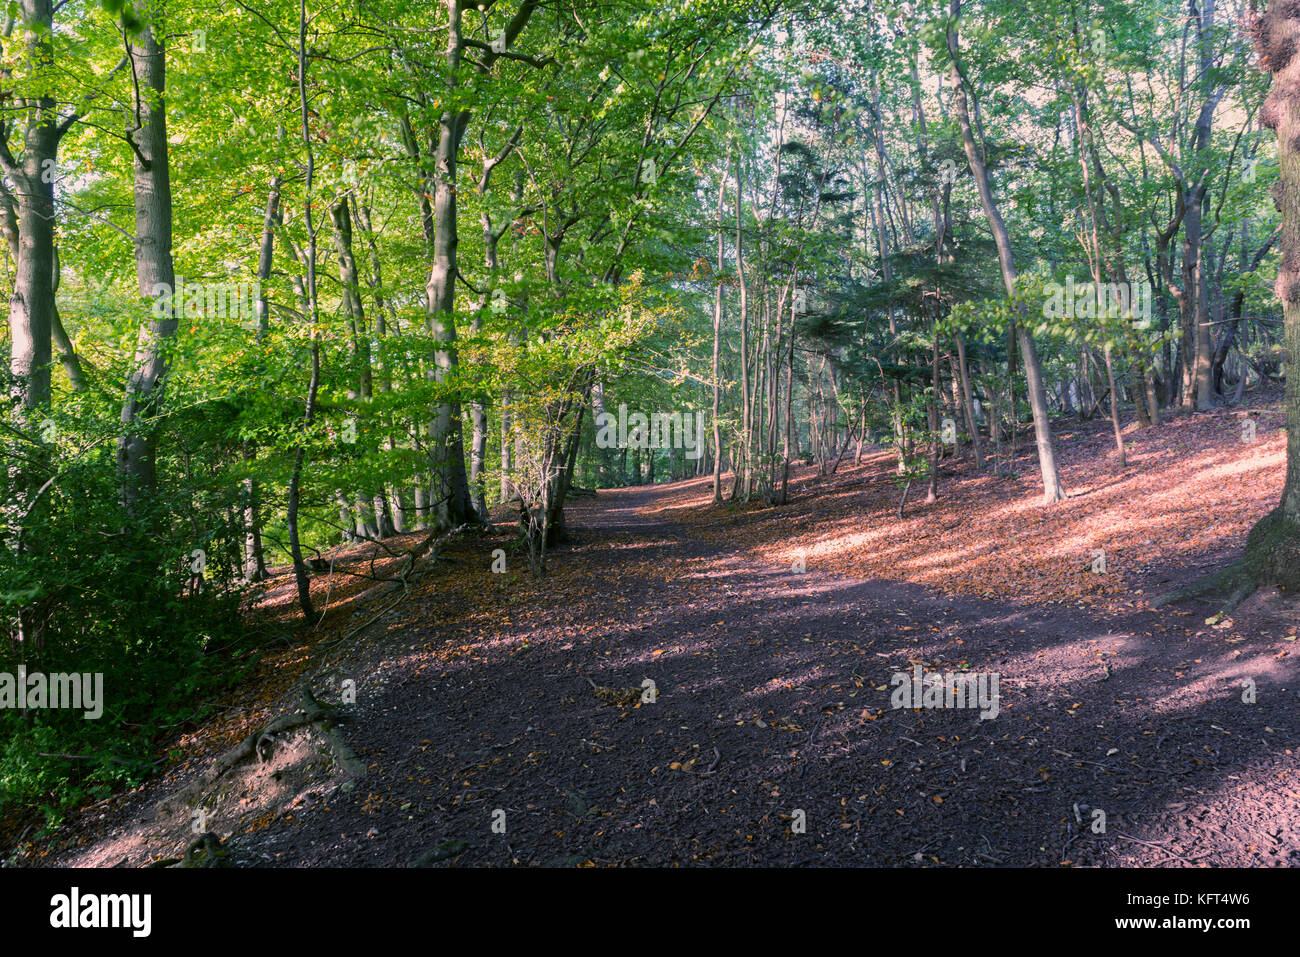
[[773, 698]]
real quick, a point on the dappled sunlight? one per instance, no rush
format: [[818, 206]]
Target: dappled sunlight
[[1195, 490], [777, 683]]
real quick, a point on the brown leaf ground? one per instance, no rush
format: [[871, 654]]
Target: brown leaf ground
[[474, 692]]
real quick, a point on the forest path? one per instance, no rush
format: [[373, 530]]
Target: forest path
[[769, 702]]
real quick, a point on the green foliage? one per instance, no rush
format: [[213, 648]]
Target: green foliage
[[88, 588]]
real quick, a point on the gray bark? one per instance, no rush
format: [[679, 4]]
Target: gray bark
[[31, 305], [153, 258], [1053, 490]]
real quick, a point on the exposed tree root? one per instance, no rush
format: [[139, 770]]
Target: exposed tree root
[[1243, 591], [309, 711], [206, 851], [1235, 576], [344, 756], [1272, 556]]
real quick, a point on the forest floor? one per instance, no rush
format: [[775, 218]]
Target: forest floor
[[771, 739]]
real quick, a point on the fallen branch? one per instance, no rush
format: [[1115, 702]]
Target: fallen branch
[[84, 757], [403, 580], [1161, 848]]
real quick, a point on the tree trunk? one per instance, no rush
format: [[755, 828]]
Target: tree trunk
[[1053, 490], [717, 339], [301, 577], [1198, 384], [67, 354], [452, 503], [31, 306], [153, 260], [932, 420], [371, 509], [388, 503], [254, 557], [741, 463], [1114, 407], [967, 401], [1273, 549]]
